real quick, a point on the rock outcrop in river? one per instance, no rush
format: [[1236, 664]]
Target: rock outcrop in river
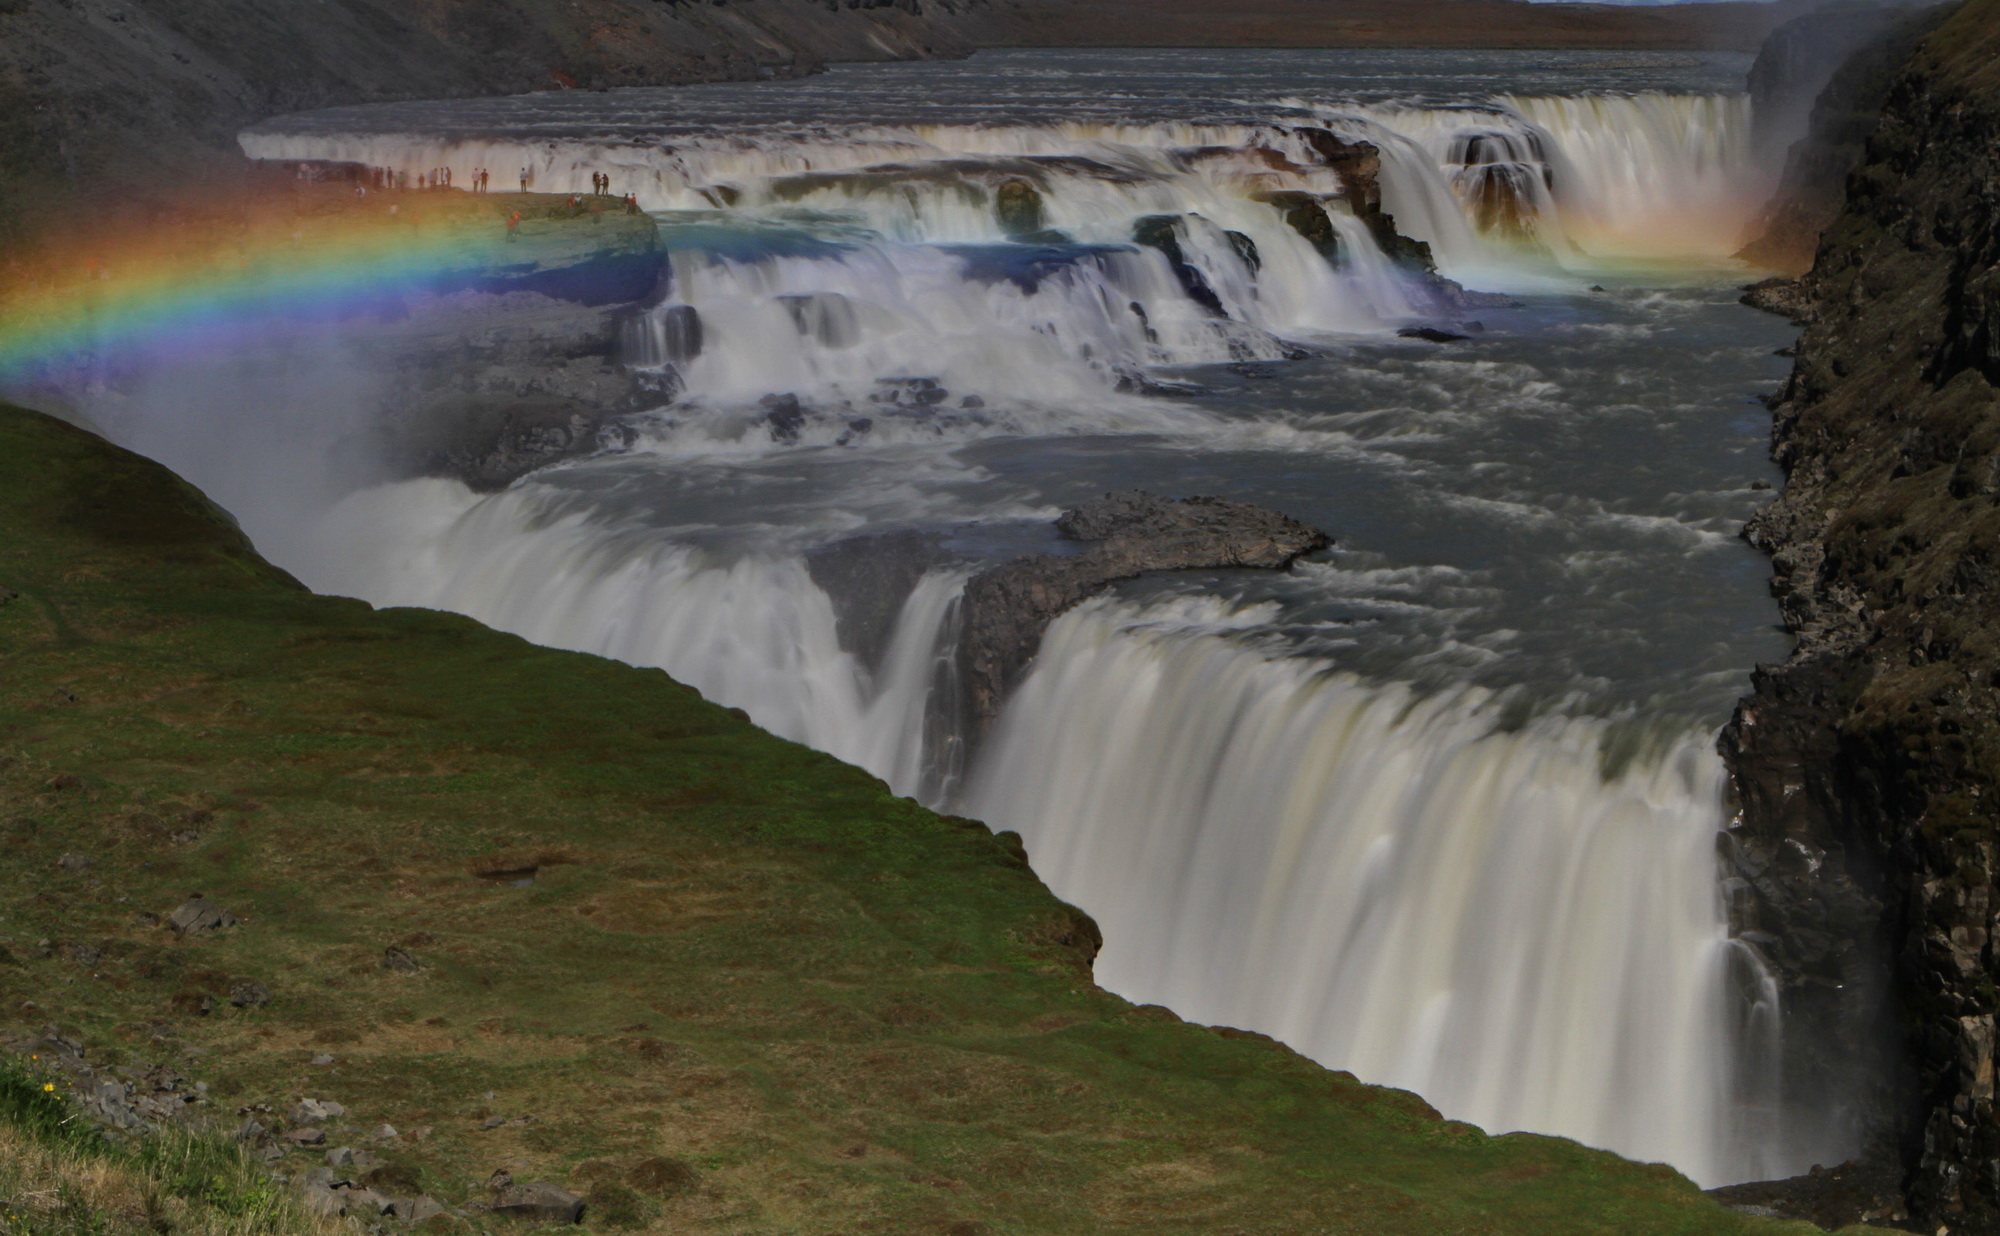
[[1006, 608], [1867, 854]]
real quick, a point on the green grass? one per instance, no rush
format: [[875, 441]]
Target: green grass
[[60, 1176], [748, 991]]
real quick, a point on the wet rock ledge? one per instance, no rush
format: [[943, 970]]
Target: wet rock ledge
[[1007, 608]]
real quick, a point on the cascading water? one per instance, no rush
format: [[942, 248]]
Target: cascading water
[[1537, 945], [1439, 808]]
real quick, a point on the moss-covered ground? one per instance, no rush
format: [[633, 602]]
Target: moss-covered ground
[[712, 980]]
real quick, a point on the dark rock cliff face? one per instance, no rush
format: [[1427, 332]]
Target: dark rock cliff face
[[1795, 64], [130, 93], [1855, 52], [1868, 765]]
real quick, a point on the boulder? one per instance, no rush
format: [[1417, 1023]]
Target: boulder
[[1359, 166], [539, 1202], [414, 1209], [1018, 206], [399, 961], [321, 1200], [197, 915], [1431, 334], [1306, 215], [360, 1199]]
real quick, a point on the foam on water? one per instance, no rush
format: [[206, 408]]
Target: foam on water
[[1397, 885]]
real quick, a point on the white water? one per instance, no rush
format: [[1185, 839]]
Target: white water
[[1644, 177], [820, 262], [1650, 175], [1396, 885], [1390, 885], [754, 633]]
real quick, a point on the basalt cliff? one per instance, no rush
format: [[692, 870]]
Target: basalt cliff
[[1865, 858]]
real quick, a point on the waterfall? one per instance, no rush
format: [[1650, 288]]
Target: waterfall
[[951, 328], [1586, 178], [753, 632], [1647, 176], [1395, 885], [1002, 269], [1413, 888]]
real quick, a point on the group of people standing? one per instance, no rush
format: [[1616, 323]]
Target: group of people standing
[[436, 178], [482, 182]]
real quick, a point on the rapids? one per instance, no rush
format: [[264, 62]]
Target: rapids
[[1439, 807]]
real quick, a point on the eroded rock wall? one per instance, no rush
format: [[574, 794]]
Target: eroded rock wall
[[1868, 765]]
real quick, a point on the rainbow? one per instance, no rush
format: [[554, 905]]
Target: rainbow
[[200, 283]]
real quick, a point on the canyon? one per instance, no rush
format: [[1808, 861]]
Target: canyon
[[1859, 867]]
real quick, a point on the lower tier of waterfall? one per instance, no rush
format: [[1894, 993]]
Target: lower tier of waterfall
[[1274, 844]]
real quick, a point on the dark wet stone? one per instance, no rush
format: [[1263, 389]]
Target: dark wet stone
[[1165, 233], [1830, 1198], [1007, 608], [1431, 334], [1306, 215], [869, 578], [784, 417], [1019, 207]]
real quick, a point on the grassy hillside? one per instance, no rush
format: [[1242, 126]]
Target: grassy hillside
[[709, 979]]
